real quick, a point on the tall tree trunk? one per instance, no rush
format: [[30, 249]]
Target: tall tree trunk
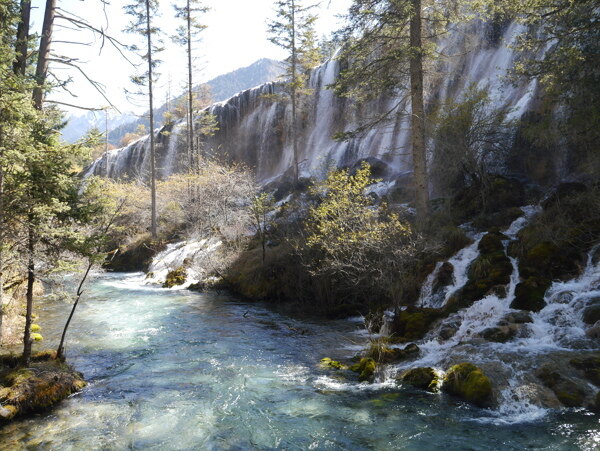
[[41, 71], [294, 100], [190, 124], [419, 151], [154, 226], [2, 237], [21, 47], [30, 281]]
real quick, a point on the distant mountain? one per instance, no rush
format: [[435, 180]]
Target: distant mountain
[[79, 125], [222, 87]]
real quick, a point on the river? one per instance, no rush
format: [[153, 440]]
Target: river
[[173, 369]]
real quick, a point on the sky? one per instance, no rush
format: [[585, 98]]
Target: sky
[[236, 36]]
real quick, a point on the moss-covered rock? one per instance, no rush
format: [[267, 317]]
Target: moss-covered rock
[[568, 392], [590, 366], [444, 277], [175, 277], [413, 323], [381, 352], [490, 243], [36, 388], [529, 294], [326, 362], [591, 313], [499, 334], [470, 383], [365, 369], [423, 378]]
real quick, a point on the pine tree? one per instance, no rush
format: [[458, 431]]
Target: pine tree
[[385, 51], [293, 30], [187, 34], [142, 12]]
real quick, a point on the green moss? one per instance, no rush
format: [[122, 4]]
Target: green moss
[[365, 369], [566, 390], [424, 378], [529, 294], [470, 383], [175, 277], [328, 363], [569, 399], [490, 243], [38, 387], [413, 323]]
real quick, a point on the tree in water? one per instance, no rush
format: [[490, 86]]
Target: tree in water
[[293, 30]]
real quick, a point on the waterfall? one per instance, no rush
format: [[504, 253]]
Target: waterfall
[[558, 327], [189, 254], [254, 124]]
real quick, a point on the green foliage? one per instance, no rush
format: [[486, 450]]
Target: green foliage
[[470, 136], [293, 29], [352, 243]]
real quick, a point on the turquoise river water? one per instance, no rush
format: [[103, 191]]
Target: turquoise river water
[[172, 369]]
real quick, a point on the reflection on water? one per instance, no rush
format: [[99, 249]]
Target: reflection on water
[[179, 370]]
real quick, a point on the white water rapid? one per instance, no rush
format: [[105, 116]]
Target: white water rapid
[[557, 328]]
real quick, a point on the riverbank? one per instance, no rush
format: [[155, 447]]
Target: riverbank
[[37, 387]]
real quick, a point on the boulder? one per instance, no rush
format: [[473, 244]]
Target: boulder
[[529, 294], [500, 334], [326, 362], [521, 317], [591, 314], [382, 353], [413, 323], [490, 243], [538, 395], [594, 331], [175, 277], [470, 383], [423, 378], [590, 367], [365, 369], [444, 277], [568, 392]]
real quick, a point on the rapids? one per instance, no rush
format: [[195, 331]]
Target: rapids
[[172, 369]]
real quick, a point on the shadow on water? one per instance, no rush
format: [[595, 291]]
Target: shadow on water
[[179, 370]]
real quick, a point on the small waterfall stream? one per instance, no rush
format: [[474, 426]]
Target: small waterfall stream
[[555, 328]]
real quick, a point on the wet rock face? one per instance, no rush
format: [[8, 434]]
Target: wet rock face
[[445, 277], [470, 383], [590, 366], [365, 369], [175, 277], [413, 323], [529, 294], [500, 334], [423, 378], [591, 314], [382, 353], [568, 392]]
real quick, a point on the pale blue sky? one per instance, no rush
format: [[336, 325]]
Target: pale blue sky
[[236, 37]]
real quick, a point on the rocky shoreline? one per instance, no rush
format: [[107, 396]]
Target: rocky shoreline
[[38, 387]]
